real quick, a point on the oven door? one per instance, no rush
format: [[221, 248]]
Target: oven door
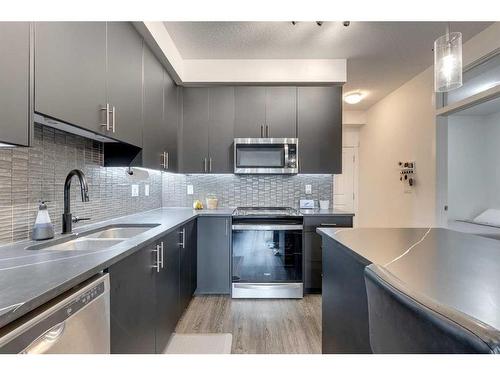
[[267, 260], [264, 156]]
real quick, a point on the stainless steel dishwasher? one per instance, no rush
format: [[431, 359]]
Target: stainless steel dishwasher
[[77, 322]]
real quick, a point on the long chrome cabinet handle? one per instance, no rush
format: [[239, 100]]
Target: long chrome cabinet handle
[[267, 131], [158, 258], [210, 164], [114, 119], [166, 161], [205, 164], [162, 255], [163, 162], [183, 238], [106, 108], [262, 131]]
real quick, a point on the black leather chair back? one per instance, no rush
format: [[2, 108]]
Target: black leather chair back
[[402, 321]]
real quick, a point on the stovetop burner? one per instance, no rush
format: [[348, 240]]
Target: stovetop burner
[[266, 211]]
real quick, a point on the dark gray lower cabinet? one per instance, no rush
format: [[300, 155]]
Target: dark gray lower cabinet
[[313, 247], [187, 264], [344, 303], [150, 290], [167, 291], [214, 255], [133, 297], [15, 87]]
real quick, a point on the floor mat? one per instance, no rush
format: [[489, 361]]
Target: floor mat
[[200, 343]]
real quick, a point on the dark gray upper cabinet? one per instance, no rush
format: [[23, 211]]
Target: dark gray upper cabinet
[[214, 255], [15, 86], [250, 111], [195, 130], [154, 134], [281, 112], [320, 129], [221, 125], [171, 122], [70, 72], [124, 81]]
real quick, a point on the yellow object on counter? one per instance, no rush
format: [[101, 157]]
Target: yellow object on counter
[[197, 205]]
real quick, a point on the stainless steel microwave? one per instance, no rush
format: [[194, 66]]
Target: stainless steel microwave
[[266, 155]]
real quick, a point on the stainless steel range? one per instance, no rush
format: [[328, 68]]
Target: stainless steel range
[[267, 253]]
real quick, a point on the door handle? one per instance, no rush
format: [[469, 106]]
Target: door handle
[[159, 257], [267, 131], [166, 160], [161, 252], [262, 131], [205, 165], [46, 340], [210, 164], [106, 109]]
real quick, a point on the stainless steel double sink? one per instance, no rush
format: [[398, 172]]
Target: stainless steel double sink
[[96, 239]]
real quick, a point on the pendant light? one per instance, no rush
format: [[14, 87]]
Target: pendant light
[[448, 61]]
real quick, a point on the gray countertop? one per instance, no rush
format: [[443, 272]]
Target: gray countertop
[[456, 269], [29, 278]]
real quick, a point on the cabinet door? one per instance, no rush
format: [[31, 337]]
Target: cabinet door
[[154, 130], [221, 135], [312, 262], [15, 73], [186, 269], [281, 112], [70, 72], [195, 130], [171, 121], [214, 255], [320, 129], [167, 292], [124, 78], [250, 112], [132, 298]]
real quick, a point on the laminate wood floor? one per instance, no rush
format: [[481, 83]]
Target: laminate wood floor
[[279, 326]]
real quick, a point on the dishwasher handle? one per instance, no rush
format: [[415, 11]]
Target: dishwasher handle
[[46, 340]]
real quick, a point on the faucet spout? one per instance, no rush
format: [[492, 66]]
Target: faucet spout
[[84, 189]]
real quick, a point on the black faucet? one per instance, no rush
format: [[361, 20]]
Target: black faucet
[[67, 219]]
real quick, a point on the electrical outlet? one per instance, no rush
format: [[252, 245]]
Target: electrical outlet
[[308, 189], [190, 190], [146, 190], [135, 190]]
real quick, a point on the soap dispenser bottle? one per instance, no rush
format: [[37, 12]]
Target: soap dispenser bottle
[[43, 228]]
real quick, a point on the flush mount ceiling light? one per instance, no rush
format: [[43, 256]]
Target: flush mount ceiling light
[[448, 61], [353, 98]]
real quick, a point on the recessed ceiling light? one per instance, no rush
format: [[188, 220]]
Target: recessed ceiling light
[[353, 98]]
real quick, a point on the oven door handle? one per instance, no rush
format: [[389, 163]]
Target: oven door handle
[[267, 227]]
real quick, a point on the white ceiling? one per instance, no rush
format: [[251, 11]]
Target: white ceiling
[[381, 56]]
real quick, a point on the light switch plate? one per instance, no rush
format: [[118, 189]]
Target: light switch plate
[[146, 190], [190, 190], [308, 189], [135, 190]]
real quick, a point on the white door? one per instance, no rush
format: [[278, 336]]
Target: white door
[[345, 184]]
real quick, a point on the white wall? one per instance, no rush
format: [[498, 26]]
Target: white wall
[[467, 158], [399, 127], [402, 126]]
